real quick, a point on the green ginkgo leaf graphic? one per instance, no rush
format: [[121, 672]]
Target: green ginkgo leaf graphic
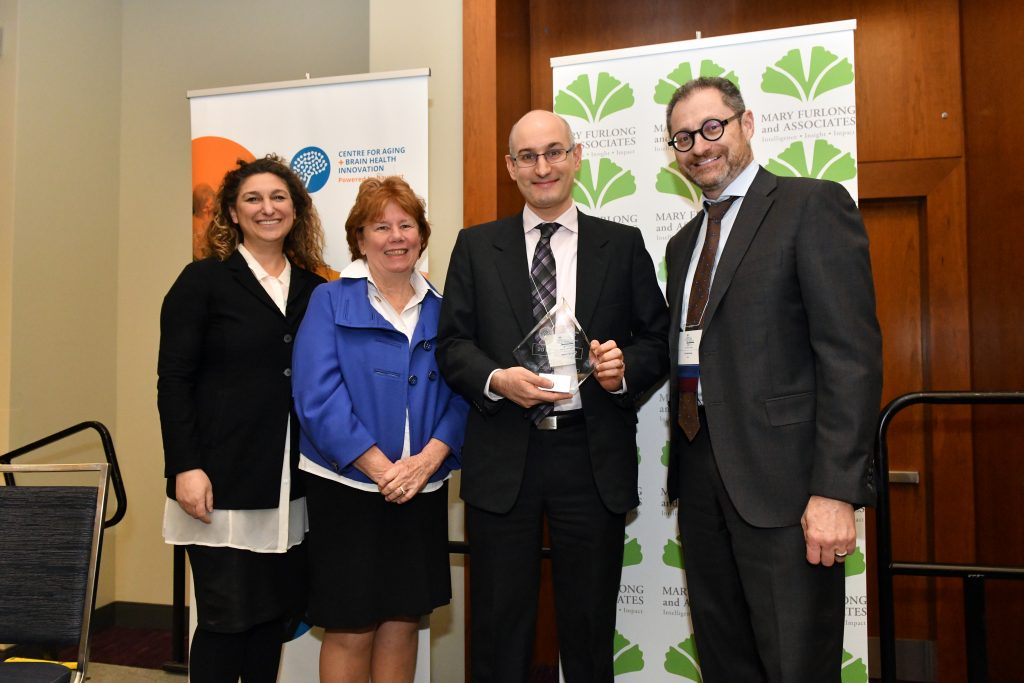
[[682, 661], [826, 72], [672, 181], [612, 182], [855, 563], [672, 554], [665, 448], [854, 670], [662, 273], [684, 72], [632, 553], [611, 95], [827, 162], [627, 658]]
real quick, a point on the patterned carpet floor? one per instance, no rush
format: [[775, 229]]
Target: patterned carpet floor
[[137, 647]]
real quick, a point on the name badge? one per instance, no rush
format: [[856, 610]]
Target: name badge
[[689, 347]]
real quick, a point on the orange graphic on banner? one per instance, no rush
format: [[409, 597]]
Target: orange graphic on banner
[[212, 157]]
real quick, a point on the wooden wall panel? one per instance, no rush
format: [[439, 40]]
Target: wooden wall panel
[[479, 110], [993, 72], [943, 510], [895, 229], [496, 92], [907, 56]]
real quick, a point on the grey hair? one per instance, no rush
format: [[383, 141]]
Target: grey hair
[[730, 95]]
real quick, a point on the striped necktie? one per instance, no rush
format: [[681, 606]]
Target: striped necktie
[[542, 273], [545, 287]]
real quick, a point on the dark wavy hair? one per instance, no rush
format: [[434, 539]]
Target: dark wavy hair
[[730, 95], [374, 195], [304, 245]]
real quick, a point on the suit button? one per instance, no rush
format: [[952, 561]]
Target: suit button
[[287, 372], [412, 379], [432, 375], [427, 346], [287, 339]]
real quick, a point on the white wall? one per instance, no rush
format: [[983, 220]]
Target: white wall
[[60, 274], [8, 135], [169, 48], [95, 201]]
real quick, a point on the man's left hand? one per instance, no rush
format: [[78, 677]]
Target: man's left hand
[[830, 530], [609, 364]]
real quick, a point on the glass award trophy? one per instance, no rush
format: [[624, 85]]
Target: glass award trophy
[[557, 349]]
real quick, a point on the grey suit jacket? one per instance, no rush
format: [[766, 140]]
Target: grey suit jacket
[[790, 358], [486, 311]]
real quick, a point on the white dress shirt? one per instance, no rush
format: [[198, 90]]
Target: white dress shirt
[[737, 188], [563, 243]]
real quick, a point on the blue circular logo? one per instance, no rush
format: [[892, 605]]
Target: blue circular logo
[[313, 166]]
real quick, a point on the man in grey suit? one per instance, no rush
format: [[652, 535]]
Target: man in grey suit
[[777, 388], [577, 466]]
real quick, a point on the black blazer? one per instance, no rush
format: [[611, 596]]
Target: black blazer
[[224, 389], [791, 357], [486, 311]]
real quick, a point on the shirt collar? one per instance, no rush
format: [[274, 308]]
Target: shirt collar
[[261, 274], [741, 183], [569, 220], [358, 270]]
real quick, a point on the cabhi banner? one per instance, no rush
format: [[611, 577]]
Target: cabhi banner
[[799, 82], [334, 133]]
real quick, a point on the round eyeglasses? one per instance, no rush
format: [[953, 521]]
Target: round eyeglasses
[[710, 130], [552, 156]]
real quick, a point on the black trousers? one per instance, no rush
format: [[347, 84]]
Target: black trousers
[[586, 545], [760, 611]]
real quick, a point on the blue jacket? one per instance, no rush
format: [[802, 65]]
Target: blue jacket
[[354, 374]]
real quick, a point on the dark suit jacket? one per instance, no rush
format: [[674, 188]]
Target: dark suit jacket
[[790, 358], [486, 311], [224, 388]]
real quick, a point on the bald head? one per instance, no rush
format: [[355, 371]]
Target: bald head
[[535, 120]]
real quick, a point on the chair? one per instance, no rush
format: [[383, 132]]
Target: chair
[[50, 539]]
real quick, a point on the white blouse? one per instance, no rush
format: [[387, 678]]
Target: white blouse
[[272, 530]]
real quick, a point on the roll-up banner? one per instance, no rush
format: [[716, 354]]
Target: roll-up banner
[[334, 133], [799, 82]]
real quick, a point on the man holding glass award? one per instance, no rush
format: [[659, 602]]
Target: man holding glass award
[[534, 304]]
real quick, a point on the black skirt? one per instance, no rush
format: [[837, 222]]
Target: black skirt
[[372, 561], [238, 589]]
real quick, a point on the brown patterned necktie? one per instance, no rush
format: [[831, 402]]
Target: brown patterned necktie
[[699, 291]]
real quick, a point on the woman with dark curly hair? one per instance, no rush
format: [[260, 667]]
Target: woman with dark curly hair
[[229, 430]]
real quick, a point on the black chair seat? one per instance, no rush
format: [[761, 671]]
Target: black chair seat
[[34, 672]]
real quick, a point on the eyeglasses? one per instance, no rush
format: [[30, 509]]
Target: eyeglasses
[[552, 156], [711, 130]]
